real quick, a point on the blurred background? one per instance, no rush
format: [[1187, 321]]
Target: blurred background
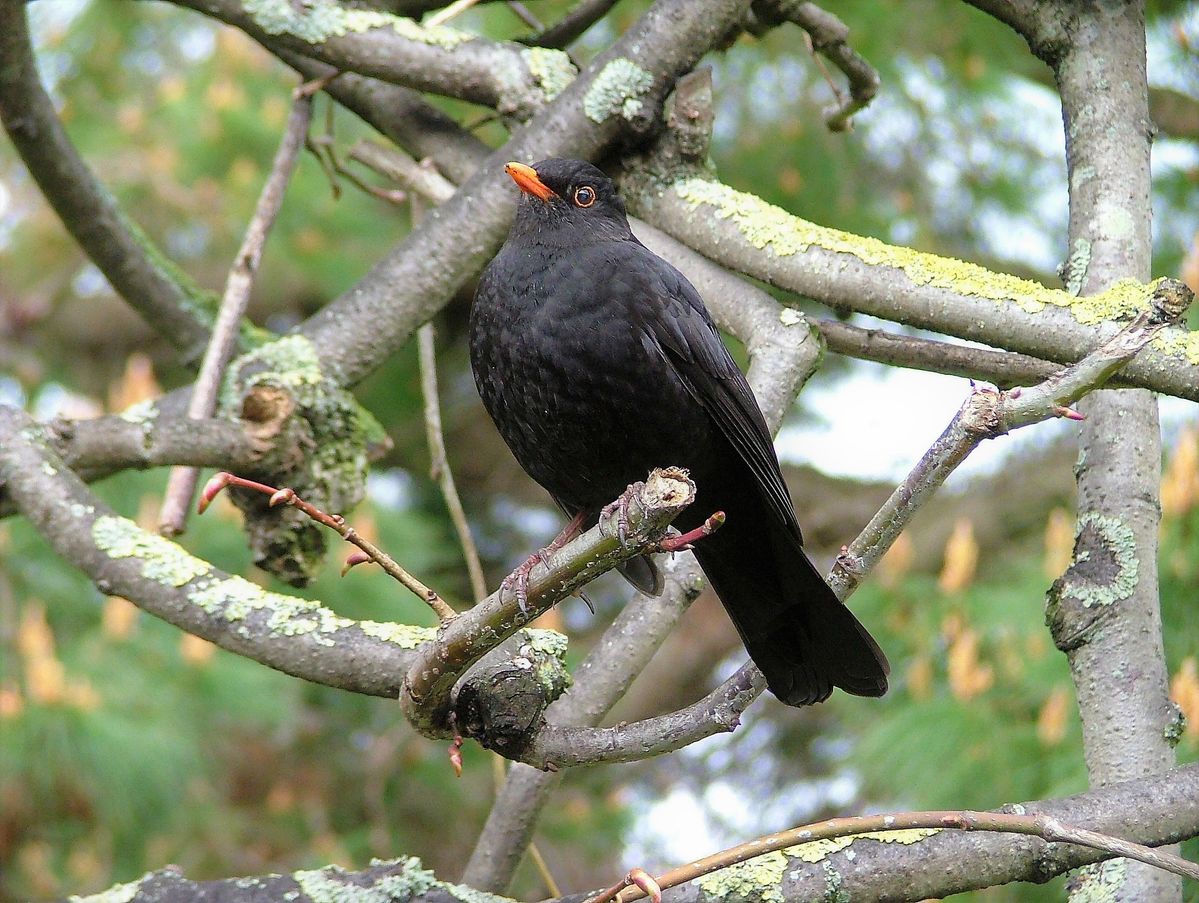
[[126, 745]]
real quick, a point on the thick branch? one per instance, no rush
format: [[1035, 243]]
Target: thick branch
[[122, 252], [292, 635], [427, 695], [1105, 611], [512, 79], [618, 93], [862, 274], [912, 866]]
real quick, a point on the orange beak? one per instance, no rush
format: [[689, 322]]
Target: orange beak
[[528, 181]]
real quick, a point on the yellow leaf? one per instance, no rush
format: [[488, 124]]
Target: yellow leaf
[[196, 650], [968, 677], [11, 703], [119, 617], [1059, 542], [136, 384], [1180, 482], [920, 677], [1051, 722], [961, 558], [897, 562], [1184, 690]]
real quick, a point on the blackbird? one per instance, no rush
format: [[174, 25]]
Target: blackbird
[[598, 362]]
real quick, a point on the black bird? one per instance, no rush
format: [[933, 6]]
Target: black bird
[[598, 361]]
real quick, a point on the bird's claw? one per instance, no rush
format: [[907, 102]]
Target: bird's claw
[[518, 580], [620, 508]]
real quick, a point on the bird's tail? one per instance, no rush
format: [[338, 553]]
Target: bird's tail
[[801, 636]]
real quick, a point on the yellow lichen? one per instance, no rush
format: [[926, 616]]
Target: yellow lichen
[[771, 228]]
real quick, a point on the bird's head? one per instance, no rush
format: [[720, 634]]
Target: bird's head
[[570, 198]]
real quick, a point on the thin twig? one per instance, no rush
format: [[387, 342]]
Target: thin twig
[[571, 26], [864, 826], [1004, 368], [829, 37], [336, 523], [989, 413], [444, 15], [439, 464], [181, 485]]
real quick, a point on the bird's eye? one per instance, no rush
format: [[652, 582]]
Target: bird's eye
[[585, 196]]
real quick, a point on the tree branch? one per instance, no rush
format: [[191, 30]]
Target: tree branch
[[427, 692], [124, 254], [744, 233], [181, 484], [512, 79], [1104, 612], [830, 38], [292, 635], [1004, 368], [570, 27], [1152, 811]]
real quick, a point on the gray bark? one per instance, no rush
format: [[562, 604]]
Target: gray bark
[[1104, 611]]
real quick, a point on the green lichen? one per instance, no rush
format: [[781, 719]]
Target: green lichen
[[333, 884], [1178, 343], [406, 636], [1102, 882], [1120, 543], [547, 642], [817, 850], [48, 469], [760, 878], [552, 69], [316, 21], [1077, 265], [118, 893], [771, 228], [333, 472], [162, 560], [617, 90], [142, 413], [1175, 728], [235, 599], [832, 885]]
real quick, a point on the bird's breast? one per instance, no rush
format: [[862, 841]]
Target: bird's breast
[[565, 373]]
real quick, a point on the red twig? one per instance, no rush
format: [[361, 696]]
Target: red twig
[[334, 522]]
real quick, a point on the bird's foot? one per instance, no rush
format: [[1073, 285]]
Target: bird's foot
[[518, 580], [620, 510], [683, 541]]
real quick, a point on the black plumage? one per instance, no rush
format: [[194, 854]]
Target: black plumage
[[598, 361]]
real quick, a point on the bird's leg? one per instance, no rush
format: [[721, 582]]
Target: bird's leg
[[620, 508], [519, 578]]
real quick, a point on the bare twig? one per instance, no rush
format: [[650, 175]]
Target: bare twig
[[439, 465], [336, 523], [1004, 368], [878, 827], [571, 26], [829, 37], [988, 413], [181, 485], [446, 13]]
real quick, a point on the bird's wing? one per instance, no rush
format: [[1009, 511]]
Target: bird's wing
[[682, 332]]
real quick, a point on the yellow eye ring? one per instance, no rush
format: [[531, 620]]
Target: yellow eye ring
[[585, 196]]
